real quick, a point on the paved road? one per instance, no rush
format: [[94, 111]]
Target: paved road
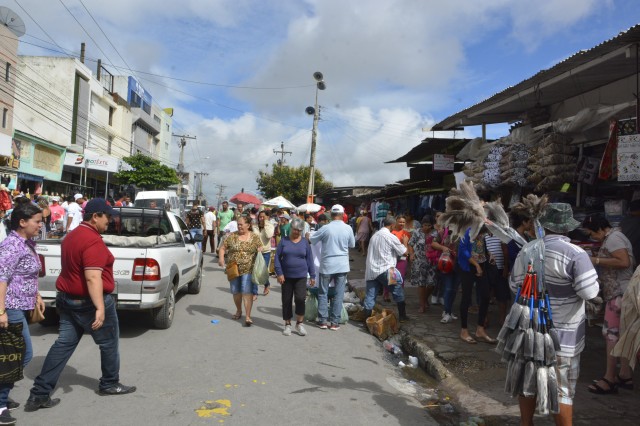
[[199, 373]]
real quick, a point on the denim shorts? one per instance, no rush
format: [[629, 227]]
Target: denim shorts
[[568, 370], [241, 285]]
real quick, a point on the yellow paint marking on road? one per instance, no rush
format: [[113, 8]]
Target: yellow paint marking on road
[[220, 407], [264, 383], [227, 386], [255, 381]]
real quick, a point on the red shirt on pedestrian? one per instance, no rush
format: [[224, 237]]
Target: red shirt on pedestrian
[[83, 249]]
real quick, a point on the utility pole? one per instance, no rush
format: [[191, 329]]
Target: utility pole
[[182, 143], [220, 195], [199, 176], [282, 153], [320, 85]]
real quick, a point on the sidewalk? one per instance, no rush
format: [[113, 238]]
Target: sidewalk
[[473, 375]]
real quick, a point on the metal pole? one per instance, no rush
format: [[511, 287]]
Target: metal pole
[[106, 187], [312, 161]]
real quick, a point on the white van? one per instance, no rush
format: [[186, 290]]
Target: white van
[[167, 200]]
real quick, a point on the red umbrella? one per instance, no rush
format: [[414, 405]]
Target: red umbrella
[[244, 198]]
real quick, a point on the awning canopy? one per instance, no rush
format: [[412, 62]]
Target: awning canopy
[[429, 146], [587, 70]]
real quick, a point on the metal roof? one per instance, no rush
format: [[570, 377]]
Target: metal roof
[[429, 146], [586, 70]]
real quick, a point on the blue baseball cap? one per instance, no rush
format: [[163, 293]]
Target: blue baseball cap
[[99, 205]]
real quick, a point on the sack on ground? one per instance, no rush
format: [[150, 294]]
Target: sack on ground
[[383, 325], [311, 308], [35, 315], [232, 271], [260, 274], [12, 350]]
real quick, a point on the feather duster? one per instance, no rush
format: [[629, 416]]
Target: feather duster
[[531, 206], [542, 396], [498, 223], [463, 211]]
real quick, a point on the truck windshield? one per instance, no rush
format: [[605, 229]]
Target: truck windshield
[[139, 223], [152, 203]]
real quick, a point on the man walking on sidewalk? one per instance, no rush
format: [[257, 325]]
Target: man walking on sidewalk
[[336, 238], [85, 304], [384, 249]]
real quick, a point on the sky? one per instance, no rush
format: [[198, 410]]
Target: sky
[[239, 73]]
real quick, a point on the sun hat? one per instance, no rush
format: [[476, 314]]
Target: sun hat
[[337, 209], [558, 217]]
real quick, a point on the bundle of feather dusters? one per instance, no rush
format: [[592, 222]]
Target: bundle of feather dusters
[[465, 210]]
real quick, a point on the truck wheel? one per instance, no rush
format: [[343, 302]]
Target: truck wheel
[[194, 286], [163, 316]]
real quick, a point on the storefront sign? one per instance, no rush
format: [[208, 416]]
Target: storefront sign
[[5, 145], [629, 158], [93, 160], [443, 162]]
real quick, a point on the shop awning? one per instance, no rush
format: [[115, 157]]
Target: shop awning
[[429, 146], [27, 176]]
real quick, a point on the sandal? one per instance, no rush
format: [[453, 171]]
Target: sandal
[[596, 388], [255, 297], [248, 322], [486, 339], [236, 316], [624, 383], [468, 339], [266, 290]]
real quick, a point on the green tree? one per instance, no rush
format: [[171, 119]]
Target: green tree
[[290, 182], [148, 173]]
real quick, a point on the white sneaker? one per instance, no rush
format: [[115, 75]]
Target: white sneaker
[[301, 330], [446, 318], [434, 300], [287, 330], [441, 300], [453, 316]]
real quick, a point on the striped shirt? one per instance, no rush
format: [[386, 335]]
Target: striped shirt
[[494, 247], [384, 249], [570, 279]]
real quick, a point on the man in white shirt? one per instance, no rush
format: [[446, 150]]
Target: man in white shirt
[[336, 238], [384, 249], [74, 213], [210, 226]]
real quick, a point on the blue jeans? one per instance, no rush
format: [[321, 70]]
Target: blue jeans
[[16, 315], [76, 317], [194, 232], [336, 302], [397, 292], [450, 286]]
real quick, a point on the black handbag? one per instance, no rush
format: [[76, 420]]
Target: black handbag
[[12, 349]]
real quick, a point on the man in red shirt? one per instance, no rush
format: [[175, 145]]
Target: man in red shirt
[[86, 306]]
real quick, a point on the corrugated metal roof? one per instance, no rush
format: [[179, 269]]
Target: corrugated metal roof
[[616, 67]]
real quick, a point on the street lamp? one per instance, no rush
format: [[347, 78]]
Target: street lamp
[[320, 85]]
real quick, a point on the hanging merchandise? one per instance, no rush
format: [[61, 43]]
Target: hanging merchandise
[[628, 158], [513, 167], [553, 163], [528, 340], [608, 164], [491, 174]]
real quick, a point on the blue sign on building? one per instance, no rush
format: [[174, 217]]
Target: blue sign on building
[[137, 96]]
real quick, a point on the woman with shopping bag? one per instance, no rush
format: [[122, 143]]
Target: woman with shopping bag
[[19, 269]]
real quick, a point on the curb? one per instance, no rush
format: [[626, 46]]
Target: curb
[[468, 400], [427, 359]]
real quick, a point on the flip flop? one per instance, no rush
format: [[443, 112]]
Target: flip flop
[[597, 389], [469, 340], [236, 316], [486, 339], [624, 383], [248, 322], [255, 297], [266, 291]]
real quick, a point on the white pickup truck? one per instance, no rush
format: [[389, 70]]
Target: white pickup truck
[[155, 258]]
